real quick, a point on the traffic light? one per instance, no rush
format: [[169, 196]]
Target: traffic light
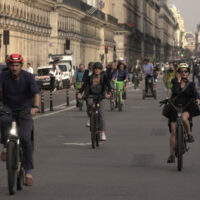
[[182, 55], [6, 37], [106, 49]]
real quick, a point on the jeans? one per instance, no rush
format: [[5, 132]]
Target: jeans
[[25, 131]]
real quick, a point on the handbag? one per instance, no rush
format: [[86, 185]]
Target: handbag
[[168, 106], [167, 109]]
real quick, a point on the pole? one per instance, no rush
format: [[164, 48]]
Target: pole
[[67, 97], [51, 100], [42, 101], [6, 53]]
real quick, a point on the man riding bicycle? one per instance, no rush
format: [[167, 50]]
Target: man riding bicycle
[[97, 84], [19, 93], [148, 71], [182, 92], [78, 78]]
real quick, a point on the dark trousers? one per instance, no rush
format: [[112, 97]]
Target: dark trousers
[[25, 131]]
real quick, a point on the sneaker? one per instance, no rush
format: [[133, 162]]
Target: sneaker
[[88, 123], [29, 180], [4, 154], [171, 159], [103, 136], [190, 139]]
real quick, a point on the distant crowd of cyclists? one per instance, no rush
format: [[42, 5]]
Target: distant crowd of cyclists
[[20, 91]]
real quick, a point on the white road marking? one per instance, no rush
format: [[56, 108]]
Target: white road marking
[[54, 113], [78, 144]]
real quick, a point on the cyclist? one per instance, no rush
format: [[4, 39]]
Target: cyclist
[[148, 71], [122, 75], [98, 84], [136, 71], [182, 92], [111, 71], [169, 76], [19, 92], [78, 78]]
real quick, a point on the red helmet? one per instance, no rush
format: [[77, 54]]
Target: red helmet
[[15, 58]]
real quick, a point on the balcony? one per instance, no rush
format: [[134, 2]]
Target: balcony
[[94, 12]]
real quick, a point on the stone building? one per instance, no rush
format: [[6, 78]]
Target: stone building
[[197, 42], [39, 28], [180, 39], [168, 27], [138, 30]]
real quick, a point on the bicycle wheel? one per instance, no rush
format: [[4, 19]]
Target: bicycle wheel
[[120, 101], [93, 129], [112, 105], [12, 166], [20, 174], [179, 138], [80, 103]]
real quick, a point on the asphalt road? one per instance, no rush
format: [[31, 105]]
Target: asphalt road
[[130, 165]]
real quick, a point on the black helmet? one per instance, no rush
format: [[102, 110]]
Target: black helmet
[[97, 65]]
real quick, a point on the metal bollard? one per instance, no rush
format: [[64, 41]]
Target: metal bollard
[[42, 101], [67, 92], [67, 97], [51, 100]]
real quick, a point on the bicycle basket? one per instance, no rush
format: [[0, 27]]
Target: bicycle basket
[[119, 85], [78, 85]]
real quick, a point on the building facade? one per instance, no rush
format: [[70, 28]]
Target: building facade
[[168, 27], [40, 28], [180, 34], [197, 42]]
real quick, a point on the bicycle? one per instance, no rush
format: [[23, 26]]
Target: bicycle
[[112, 97], [80, 102], [181, 134], [150, 91], [14, 163], [95, 120], [119, 92]]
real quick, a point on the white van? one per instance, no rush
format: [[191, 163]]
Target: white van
[[43, 77], [65, 64]]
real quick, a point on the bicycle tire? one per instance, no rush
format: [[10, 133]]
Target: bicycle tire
[[80, 105], [93, 130], [120, 102], [112, 106], [179, 147], [20, 175], [12, 167]]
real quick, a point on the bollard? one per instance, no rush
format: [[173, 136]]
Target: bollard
[[67, 92], [51, 100], [42, 100], [67, 97]]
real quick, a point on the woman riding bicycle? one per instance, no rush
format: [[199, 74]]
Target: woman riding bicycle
[[99, 85], [122, 75], [182, 92]]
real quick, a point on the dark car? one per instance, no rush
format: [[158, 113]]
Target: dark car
[[3, 67]]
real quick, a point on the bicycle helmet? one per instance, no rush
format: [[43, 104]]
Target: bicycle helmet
[[97, 65], [15, 58], [183, 65]]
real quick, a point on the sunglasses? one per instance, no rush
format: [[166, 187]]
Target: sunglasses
[[183, 71]]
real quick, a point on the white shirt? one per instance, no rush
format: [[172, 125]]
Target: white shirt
[[30, 70]]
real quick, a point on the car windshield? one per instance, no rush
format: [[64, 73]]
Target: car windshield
[[43, 72], [63, 68]]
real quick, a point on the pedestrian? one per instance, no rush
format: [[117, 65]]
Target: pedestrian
[[29, 68]]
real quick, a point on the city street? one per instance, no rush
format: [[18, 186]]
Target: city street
[[130, 165]]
